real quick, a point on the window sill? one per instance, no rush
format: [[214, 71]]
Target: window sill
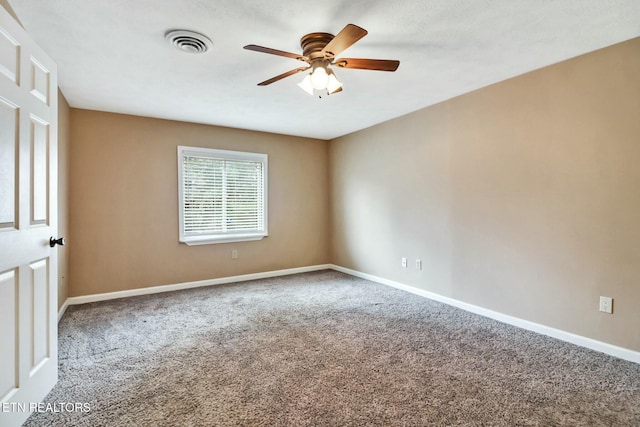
[[212, 240]]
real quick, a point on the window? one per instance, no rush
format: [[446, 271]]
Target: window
[[222, 195]]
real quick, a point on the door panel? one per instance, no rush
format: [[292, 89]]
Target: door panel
[[28, 218], [39, 170], [39, 316], [9, 322], [40, 81], [9, 56], [8, 157]]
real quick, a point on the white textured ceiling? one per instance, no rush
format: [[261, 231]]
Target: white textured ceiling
[[112, 55]]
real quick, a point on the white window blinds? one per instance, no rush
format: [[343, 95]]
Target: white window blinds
[[222, 195]]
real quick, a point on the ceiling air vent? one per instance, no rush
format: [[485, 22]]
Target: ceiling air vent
[[189, 41]]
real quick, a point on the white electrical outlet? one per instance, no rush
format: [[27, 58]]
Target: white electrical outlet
[[418, 264], [606, 305], [404, 262], [234, 254]]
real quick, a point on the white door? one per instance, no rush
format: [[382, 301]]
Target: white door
[[28, 218]]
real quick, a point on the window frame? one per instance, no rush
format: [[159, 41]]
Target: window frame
[[206, 238]]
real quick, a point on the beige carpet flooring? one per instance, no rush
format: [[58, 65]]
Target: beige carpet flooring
[[324, 349]]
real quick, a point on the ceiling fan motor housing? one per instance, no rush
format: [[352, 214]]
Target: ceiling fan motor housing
[[313, 43]]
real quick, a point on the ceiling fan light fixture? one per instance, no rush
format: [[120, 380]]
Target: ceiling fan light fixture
[[333, 85]]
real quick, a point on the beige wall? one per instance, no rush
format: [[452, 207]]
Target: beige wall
[[522, 197], [124, 204], [63, 196]]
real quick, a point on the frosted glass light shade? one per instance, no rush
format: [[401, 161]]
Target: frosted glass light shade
[[305, 84], [333, 84], [319, 78]]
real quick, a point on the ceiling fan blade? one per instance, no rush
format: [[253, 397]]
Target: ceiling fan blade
[[368, 64], [345, 38], [263, 49], [283, 75]]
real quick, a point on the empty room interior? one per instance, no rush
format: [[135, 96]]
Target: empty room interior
[[445, 234]]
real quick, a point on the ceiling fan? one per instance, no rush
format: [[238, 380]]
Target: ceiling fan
[[319, 51]]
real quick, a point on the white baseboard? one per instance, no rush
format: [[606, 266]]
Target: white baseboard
[[63, 309], [620, 352], [189, 285]]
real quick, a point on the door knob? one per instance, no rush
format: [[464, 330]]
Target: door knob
[[58, 241]]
